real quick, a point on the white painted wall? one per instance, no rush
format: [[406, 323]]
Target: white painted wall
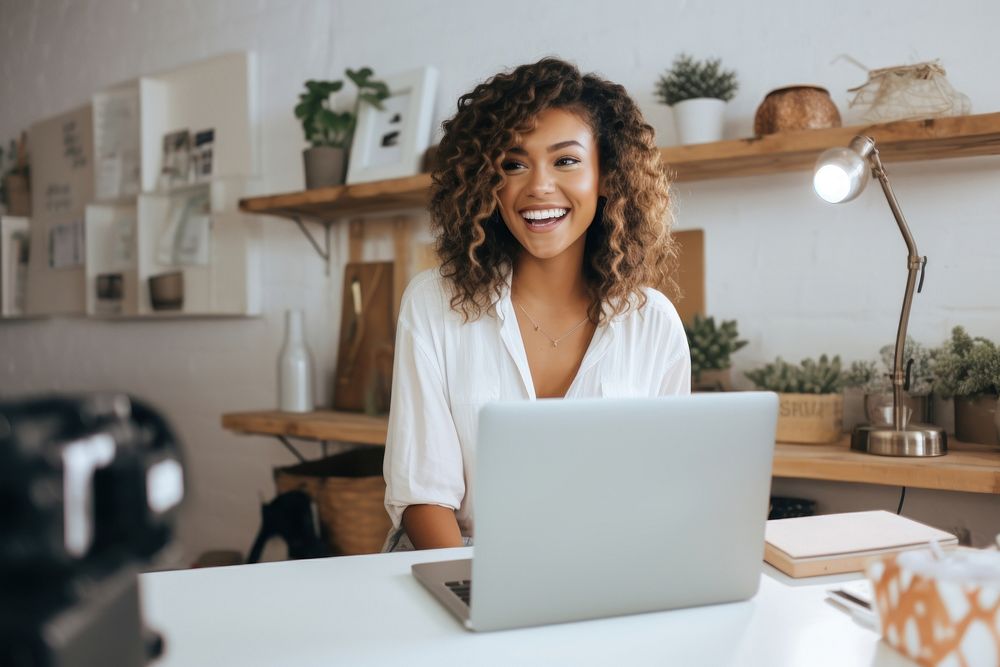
[[801, 277]]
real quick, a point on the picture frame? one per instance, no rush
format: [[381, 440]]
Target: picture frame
[[390, 142], [176, 159]]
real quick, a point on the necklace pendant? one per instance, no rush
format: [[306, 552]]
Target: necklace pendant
[[555, 343]]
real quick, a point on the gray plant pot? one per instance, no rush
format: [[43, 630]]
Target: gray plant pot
[[713, 380], [975, 419], [854, 408], [996, 418], [325, 166]]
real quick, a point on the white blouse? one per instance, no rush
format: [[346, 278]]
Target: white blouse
[[446, 369]]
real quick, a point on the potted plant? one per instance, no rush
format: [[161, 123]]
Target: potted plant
[[858, 376], [875, 383], [15, 183], [811, 405], [711, 347], [329, 132], [968, 370], [697, 92]]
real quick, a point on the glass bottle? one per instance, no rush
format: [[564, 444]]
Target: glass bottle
[[295, 374]]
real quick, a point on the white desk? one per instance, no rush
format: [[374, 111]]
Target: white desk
[[368, 610]]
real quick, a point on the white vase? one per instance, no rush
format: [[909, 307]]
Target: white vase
[[699, 120], [295, 375]]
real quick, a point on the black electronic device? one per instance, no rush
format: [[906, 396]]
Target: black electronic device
[[90, 488]]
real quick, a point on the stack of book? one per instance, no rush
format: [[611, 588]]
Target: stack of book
[[835, 543]]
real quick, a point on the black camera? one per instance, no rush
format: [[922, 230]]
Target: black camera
[[89, 490]]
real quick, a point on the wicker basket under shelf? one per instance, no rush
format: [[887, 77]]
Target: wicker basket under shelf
[[349, 491]]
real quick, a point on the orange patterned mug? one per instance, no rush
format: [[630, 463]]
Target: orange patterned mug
[[940, 610]]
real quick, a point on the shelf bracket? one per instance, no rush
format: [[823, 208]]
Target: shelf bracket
[[290, 447], [324, 252]]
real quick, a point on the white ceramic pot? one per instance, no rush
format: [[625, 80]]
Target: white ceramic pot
[[699, 120]]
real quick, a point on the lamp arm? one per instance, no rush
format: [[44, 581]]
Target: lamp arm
[[914, 264]]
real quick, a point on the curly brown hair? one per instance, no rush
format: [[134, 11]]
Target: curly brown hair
[[629, 245]]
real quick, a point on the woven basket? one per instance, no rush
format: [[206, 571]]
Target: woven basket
[[349, 491]]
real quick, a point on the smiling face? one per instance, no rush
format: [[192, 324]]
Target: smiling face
[[550, 197]]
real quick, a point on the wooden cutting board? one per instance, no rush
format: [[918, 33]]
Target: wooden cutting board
[[364, 357], [691, 274]]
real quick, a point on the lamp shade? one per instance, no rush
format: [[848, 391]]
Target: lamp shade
[[840, 174]]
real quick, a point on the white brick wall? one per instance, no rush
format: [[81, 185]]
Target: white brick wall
[[801, 277]]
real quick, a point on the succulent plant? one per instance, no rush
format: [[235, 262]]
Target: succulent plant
[[966, 366], [861, 374], [822, 376], [688, 79], [711, 345], [878, 380]]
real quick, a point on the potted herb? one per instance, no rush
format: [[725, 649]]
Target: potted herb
[[968, 370], [697, 92], [329, 132], [811, 404], [875, 382], [15, 182], [856, 378], [711, 347]]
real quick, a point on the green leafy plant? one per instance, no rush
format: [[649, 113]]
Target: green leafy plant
[[688, 79], [966, 366], [822, 376], [875, 379], [325, 127], [711, 345], [860, 374]]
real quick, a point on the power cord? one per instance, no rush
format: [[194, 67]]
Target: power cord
[[902, 497]]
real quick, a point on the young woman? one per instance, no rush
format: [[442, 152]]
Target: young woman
[[551, 210]]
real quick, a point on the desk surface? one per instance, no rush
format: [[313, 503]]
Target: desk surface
[[368, 610]]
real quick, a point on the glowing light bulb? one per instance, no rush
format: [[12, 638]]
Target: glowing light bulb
[[832, 183], [841, 173]]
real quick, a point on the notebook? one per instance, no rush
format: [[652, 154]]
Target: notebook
[[835, 543]]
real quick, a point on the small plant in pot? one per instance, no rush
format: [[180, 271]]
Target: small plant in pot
[[329, 132], [876, 383], [968, 370], [857, 377], [711, 347], [811, 405], [697, 92]]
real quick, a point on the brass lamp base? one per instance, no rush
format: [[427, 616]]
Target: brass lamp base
[[914, 440]]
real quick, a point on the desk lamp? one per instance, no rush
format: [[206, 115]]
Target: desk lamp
[[840, 176]]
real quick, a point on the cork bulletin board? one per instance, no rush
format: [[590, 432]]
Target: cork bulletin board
[[62, 175]]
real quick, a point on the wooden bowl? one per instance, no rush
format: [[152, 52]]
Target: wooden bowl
[[795, 108]]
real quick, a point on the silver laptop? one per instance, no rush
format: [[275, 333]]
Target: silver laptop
[[602, 507]]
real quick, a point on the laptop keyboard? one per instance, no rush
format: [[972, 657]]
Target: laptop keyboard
[[463, 589]]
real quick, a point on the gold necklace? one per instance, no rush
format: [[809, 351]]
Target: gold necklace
[[554, 341]]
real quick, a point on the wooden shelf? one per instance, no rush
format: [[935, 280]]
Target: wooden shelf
[[317, 425], [966, 467], [901, 141], [930, 139], [345, 201]]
